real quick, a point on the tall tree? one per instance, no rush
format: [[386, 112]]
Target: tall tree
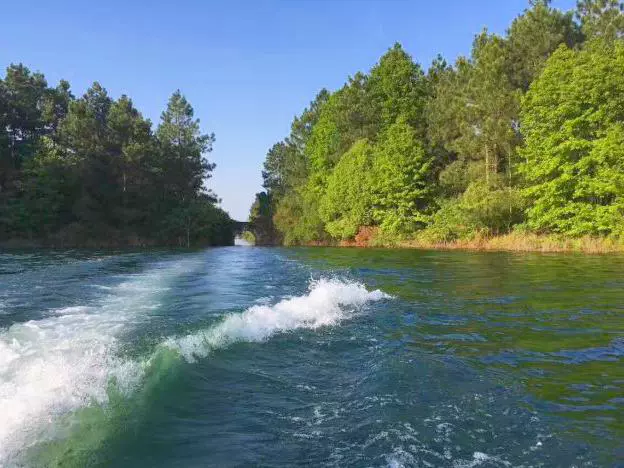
[[601, 18], [85, 133], [533, 37], [474, 109], [56, 106], [347, 204], [21, 98], [572, 121], [261, 220], [132, 148], [286, 172], [493, 106], [397, 87], [89, 171], [183, 158], [402, 192]]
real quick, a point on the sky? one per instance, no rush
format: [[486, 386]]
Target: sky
[[247, 67]]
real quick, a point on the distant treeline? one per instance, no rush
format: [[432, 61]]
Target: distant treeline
[[525, 135], [90, 171]]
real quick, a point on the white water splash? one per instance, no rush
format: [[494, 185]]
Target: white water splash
[[63, 362], [327, 302]]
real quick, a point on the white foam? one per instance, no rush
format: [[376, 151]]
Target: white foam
[[63, 362], [73, 310], [479, 458], [328, 301]]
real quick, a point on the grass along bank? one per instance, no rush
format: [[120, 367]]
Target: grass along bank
[[513, 242]]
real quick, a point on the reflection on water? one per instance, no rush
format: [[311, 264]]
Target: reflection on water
[[553, 324], [285, 357]]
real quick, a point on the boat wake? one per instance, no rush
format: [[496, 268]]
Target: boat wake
[[328, 302], [58, 367]]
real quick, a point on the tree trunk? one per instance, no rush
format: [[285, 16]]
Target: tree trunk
[[487, 165]]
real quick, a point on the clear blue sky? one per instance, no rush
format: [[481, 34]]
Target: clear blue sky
[[248, 67]]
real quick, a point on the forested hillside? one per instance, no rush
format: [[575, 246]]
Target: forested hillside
[[90, 171], [525, 135]]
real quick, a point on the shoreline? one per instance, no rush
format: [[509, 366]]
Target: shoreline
[[25, 244], [503, 243]]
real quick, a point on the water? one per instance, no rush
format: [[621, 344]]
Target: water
[[324, 357]]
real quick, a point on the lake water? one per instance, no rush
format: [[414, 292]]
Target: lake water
[[325, 357]]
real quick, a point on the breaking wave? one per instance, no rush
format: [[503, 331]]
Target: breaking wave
[[327, 302], [56, 365], [60, 372]]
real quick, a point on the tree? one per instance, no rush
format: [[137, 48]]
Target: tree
[[533, 37], [286, 177], [302, 126], [346, 205], [402, 191], [601, 18], [132, 148], [348, 115], [56, 106], [448, 126], [493, 106], [21, 98], [572, 121], [284, 166], [397, 87], [89, 171], [475, 108], [184, 166], [85, 133], [52, 185], [261, 220]]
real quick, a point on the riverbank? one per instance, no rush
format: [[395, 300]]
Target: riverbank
[[132, 243], [526, 243], [514, 242]]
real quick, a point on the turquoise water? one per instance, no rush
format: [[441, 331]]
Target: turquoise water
[[325, 357]]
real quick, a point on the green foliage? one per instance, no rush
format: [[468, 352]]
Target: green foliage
[[494, 209], [397, 87], [284, 168], [402, 189], [524, 133], [533, 37], [249, 237], [481, 209], [22, 95], [474, 108], [261, 220], [448, 223], [601, 18], [346, 204], [89, 171], [297, 217], [348, 115], [572, 121], [458, 175]]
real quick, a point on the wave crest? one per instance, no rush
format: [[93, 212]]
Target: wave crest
[[327, 302]]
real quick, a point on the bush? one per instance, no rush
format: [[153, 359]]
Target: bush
[[346, 204], [457, 176], [481, 210]]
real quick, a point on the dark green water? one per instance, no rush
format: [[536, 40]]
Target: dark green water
[[322, 357]]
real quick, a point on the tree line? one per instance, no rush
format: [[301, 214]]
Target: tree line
[[525, 134], [91, 171]]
